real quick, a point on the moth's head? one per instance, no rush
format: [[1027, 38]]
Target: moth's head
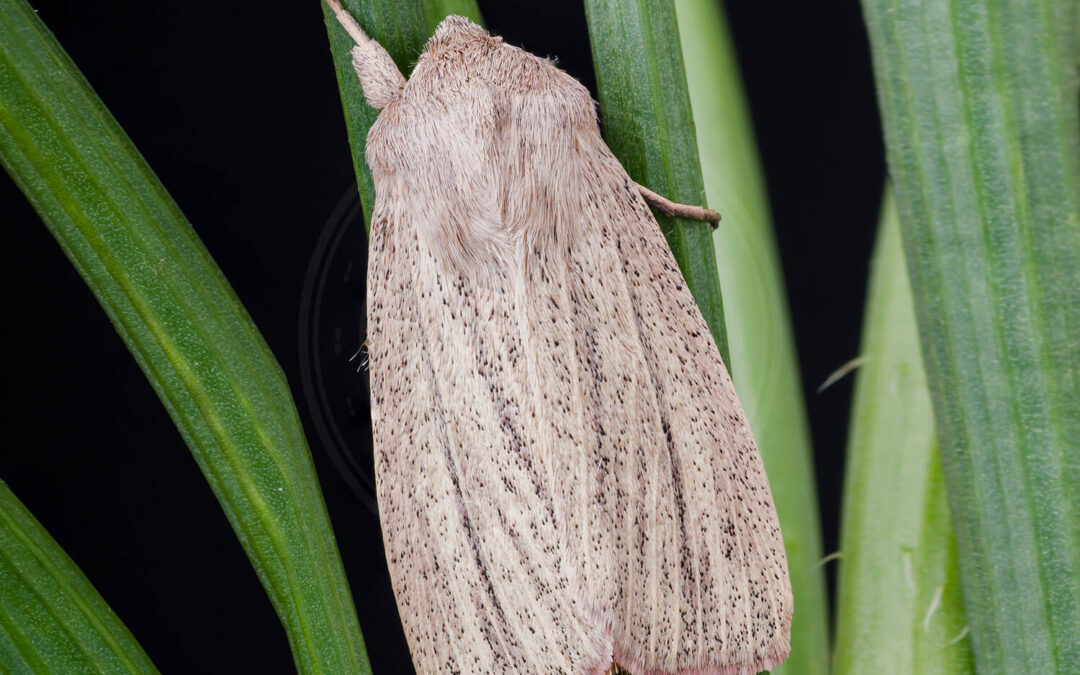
[[468, 93], [458, 45], [482, 143], [454, 28], [380, 79]]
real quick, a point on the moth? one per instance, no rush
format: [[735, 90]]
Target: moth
[[565, 476]]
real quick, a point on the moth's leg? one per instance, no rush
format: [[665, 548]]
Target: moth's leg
[[670, 208], [380, 78]]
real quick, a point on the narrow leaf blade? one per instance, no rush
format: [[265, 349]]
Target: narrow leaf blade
[[979, 104], [185, 327], [648, 124], [763, 362], [51, 618], [900, 607]]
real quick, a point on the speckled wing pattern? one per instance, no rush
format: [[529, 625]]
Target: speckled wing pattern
[[565, 475]]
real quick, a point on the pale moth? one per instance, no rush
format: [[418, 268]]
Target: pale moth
[[565, 476]]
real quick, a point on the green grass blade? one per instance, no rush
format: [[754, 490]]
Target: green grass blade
[[437, 10], [51, 618], [979, 103], [649, 126], [900, 608], [402, 27], [764, 366], [185, 327]]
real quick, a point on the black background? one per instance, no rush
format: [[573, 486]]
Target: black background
[[235, 106]]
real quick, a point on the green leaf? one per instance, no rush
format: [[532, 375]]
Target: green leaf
[[437, 10], [763, 362], [649, 126], [402, 27], [900, 609], [51, 618], [185, 327], [979, 103]]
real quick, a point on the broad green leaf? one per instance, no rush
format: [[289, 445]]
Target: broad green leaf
[[763, 362], [979, 104], [51, 618], [402, 27], [900, 609], [185, 327], [649, 125]]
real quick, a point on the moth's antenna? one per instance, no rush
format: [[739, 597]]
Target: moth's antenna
[[348, 23], [379, 76]]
